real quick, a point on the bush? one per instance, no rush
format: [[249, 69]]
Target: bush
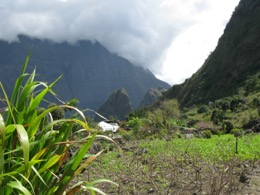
[[127, 135], [227, 126], [206, 134], [203, 109], [252, 84], [236, 103], [135, 123], [255, 103], [191, 122], [224, 105], [236, 132], [168, 110], [216, 132], [217, 116]]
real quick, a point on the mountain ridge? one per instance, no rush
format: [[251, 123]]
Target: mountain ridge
[[90, 72]]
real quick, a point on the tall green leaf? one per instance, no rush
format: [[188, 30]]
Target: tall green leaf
[[2, 146], [52, 161], [17, 87], [24, 140], [10, 114], [73, 164], [17, 185], [25, 133]]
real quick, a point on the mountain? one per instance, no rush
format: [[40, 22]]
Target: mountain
[[90, 72], [118, 105], [151, 96], [235, 59]]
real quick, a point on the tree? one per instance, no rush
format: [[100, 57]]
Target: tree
[[169, 110]]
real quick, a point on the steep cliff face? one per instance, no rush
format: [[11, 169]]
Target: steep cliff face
[[118, 105], [90, 72], [236, 57], [151, 96]]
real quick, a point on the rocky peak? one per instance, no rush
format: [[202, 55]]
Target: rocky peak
[[151, 96], [117, 105]]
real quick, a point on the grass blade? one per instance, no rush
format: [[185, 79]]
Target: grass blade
[[15, 93], [80, 155], [39, 176], [94, 189], [17, 185], [76, 188], [102, 181], [10, 114], [2, 146], [52, 161], [26, 93], [72, 165], [35, 103], [87, 162], [24, 140]]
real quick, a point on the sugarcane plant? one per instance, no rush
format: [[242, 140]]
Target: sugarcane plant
[[34, 155]]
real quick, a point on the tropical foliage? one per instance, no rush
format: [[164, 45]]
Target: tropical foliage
[[37, 156]]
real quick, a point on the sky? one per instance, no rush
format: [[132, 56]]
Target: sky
[[172, 38]]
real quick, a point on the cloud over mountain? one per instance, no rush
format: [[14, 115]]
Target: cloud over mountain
[[140, 31]]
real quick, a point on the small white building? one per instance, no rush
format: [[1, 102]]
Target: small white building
[[108, 126]]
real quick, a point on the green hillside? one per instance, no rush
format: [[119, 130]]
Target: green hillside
[[234, 62]]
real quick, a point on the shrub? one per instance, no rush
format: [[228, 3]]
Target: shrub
[[127, 135], [168, 109], [135, 123], [236, 103], [191, 122], [155, 119], [217, 116], [206, 134], [236, 132], [224, 105], [227, 126], [203, 109], [252, 84], [255, 103], [216, 132]]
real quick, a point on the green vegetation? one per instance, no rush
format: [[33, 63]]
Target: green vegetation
[[233, 66], [170, 150], [35, 153], [216, 149], [200, 138], [163, 149], [177, 165]]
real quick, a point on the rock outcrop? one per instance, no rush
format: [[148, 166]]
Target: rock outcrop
[[151, 96], [117, 106]]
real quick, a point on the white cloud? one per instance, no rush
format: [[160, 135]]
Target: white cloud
[[140, 31], [192, 46]]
